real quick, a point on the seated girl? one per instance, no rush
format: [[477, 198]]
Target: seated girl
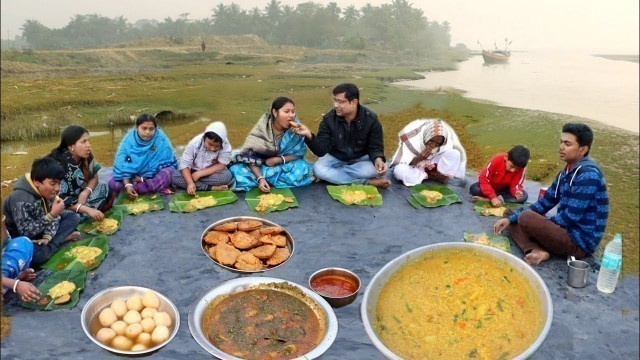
[[273, 154], [428, 149], [81, 188], [145, 161], [203, 165]]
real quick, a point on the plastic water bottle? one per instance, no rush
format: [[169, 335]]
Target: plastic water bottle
[[611, 265]]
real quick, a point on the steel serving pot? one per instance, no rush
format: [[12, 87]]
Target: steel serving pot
[[101, 300], [243, 218], [197, 310], [372, 292]]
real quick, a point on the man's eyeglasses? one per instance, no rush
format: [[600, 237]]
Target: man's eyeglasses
[[339, 101]]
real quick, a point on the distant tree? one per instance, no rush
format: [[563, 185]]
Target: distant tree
[[39, 36]]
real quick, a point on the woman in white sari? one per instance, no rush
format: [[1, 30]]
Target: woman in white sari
[[428, 149]]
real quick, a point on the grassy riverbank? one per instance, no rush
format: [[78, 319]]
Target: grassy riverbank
[[238, 78]]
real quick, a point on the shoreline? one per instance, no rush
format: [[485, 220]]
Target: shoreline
[[405, 85]]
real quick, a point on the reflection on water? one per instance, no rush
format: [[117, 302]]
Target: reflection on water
[[575, 84]]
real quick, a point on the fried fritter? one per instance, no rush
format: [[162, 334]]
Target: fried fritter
[[247, 261], [277, 240], [279, 256], [255, 233], [212, 251], [248, 225], [226, 254], [214, 237], [228, 227], [270, 230], [243, 240], [264, 251]]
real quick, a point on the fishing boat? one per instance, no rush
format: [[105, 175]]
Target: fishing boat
[[497, 56]]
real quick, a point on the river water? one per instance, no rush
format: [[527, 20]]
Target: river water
[[575, 84]]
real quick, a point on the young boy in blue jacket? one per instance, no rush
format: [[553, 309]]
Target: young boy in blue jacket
[[580, 193]]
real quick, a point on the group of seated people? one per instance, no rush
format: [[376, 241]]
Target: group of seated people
[[63, 189]]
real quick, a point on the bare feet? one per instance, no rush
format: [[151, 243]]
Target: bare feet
[[475, 198], [27, 275], [535, 257], [73, 236], [219, 187], [381, 183]]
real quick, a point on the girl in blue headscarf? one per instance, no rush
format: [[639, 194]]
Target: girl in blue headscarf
[[145, 161]]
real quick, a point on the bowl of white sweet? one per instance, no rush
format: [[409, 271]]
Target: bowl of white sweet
[[130, 320]]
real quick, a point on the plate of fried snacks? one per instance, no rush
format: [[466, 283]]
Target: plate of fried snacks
[[247, 244], [107, 226], [185, 203], [139, 205], [497, 241], [61, 290], [485, 208], [366, 195], [432, 196], [84, 255], [275, 200]]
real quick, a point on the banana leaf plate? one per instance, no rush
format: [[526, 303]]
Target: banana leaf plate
[[498, 241], [252, 198], [142, 204], [181, 201], [91, 226], [485, 208], [448, 196], [64, 259], [373, 196], [76, 276]]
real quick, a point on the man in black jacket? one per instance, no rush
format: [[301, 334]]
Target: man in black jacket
[[349, 142]]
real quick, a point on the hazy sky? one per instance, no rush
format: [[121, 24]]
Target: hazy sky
[[592, 26]]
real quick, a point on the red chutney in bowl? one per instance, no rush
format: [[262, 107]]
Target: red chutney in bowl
[[334, 286]]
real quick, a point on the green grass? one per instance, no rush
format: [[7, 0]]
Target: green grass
[[237, 87]]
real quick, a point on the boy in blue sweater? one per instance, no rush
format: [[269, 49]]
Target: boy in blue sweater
[[579, 191]]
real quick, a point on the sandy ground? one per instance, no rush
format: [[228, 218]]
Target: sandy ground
[[161, 250]]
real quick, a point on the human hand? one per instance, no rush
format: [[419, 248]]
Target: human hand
[[519, 195], [500, 225], [196, 175], [425, 153], [263, 185], [381, 166], [191, 189], [27, 274], [43, 242], [137, 179], [27, 291], [57, 206], [95, 214], [496, 202], [302, 130], [131, 192]]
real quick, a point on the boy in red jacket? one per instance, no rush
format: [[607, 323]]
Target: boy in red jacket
[[503, 178]]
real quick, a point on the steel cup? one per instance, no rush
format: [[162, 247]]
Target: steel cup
[[578, 273]]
